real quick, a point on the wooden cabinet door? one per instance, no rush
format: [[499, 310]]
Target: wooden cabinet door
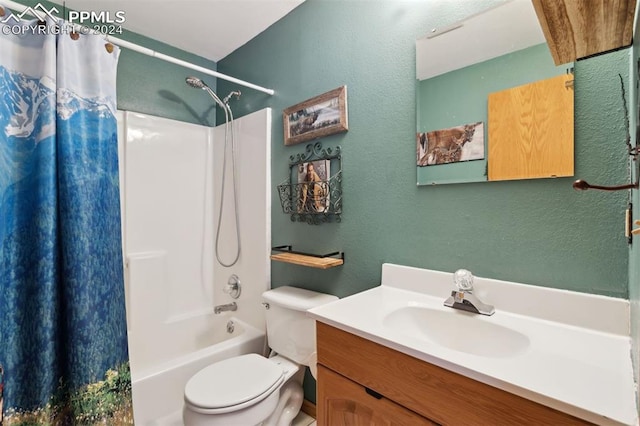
[[342, 402], [531, 130]]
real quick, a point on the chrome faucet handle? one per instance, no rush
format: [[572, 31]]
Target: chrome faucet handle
[[233, 288], [463, 280], [463, 297]]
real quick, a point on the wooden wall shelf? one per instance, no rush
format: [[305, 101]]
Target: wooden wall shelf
[[327, 261]]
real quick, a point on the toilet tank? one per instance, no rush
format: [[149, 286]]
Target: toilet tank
[[290, 332]]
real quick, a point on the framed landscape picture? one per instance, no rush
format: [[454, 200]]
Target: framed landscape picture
[[320, 116]]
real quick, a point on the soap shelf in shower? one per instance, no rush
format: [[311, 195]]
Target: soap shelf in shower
[[321, 261]]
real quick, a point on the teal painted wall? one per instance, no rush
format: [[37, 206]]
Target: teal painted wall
[[538, 232], [152, 86]]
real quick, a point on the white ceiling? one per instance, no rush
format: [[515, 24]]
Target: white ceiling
[[209, 28]]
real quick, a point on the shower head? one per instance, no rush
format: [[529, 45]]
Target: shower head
[[195, 82]]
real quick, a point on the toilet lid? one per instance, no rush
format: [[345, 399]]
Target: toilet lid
[[233, 381]]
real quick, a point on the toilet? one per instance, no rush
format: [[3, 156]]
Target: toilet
[[250, 389]]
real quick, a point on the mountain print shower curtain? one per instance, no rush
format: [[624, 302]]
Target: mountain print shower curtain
[[63, 335]]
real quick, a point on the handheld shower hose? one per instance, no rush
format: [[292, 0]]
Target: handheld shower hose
[[228, 136]]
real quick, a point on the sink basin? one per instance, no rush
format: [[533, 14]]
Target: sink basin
[[458, 330]]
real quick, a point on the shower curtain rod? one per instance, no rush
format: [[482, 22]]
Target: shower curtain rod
[[167, 58], [150, 52]]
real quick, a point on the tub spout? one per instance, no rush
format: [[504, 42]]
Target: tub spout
[[228, 307]]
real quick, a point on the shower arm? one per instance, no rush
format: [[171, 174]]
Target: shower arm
[[235, 93]]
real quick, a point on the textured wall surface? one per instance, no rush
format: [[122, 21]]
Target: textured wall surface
[[538, 232]]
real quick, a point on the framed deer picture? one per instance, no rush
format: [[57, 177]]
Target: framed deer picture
[[320, 116]]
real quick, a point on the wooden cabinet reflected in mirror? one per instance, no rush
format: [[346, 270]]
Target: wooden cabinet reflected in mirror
[[531, 130]]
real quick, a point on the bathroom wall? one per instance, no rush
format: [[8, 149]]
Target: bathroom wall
[[539, 232]]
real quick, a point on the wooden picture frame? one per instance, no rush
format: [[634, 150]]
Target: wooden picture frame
[[320, 116]]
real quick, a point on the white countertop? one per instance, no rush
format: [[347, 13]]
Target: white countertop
[[575, 362]]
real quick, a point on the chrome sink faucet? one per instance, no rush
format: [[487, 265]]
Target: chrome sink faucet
[[462, 298]]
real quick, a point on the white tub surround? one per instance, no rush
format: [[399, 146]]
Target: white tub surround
[[566, 350], [170, 177]]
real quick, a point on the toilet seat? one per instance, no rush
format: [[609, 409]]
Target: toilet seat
[[233, 384]]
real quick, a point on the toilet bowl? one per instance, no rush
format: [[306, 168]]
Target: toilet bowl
[[244, 391], [250, 390]]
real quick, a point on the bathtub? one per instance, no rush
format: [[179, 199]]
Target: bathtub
[[158, 390]]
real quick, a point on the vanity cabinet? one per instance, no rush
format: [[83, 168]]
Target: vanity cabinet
[[363, 383], [347, 403]]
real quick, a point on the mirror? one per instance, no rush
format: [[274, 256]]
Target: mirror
[[458, 66]]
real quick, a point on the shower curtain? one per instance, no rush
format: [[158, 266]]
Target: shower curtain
[[63, 341]]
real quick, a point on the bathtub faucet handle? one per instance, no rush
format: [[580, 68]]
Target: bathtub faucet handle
[[233, 288]]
